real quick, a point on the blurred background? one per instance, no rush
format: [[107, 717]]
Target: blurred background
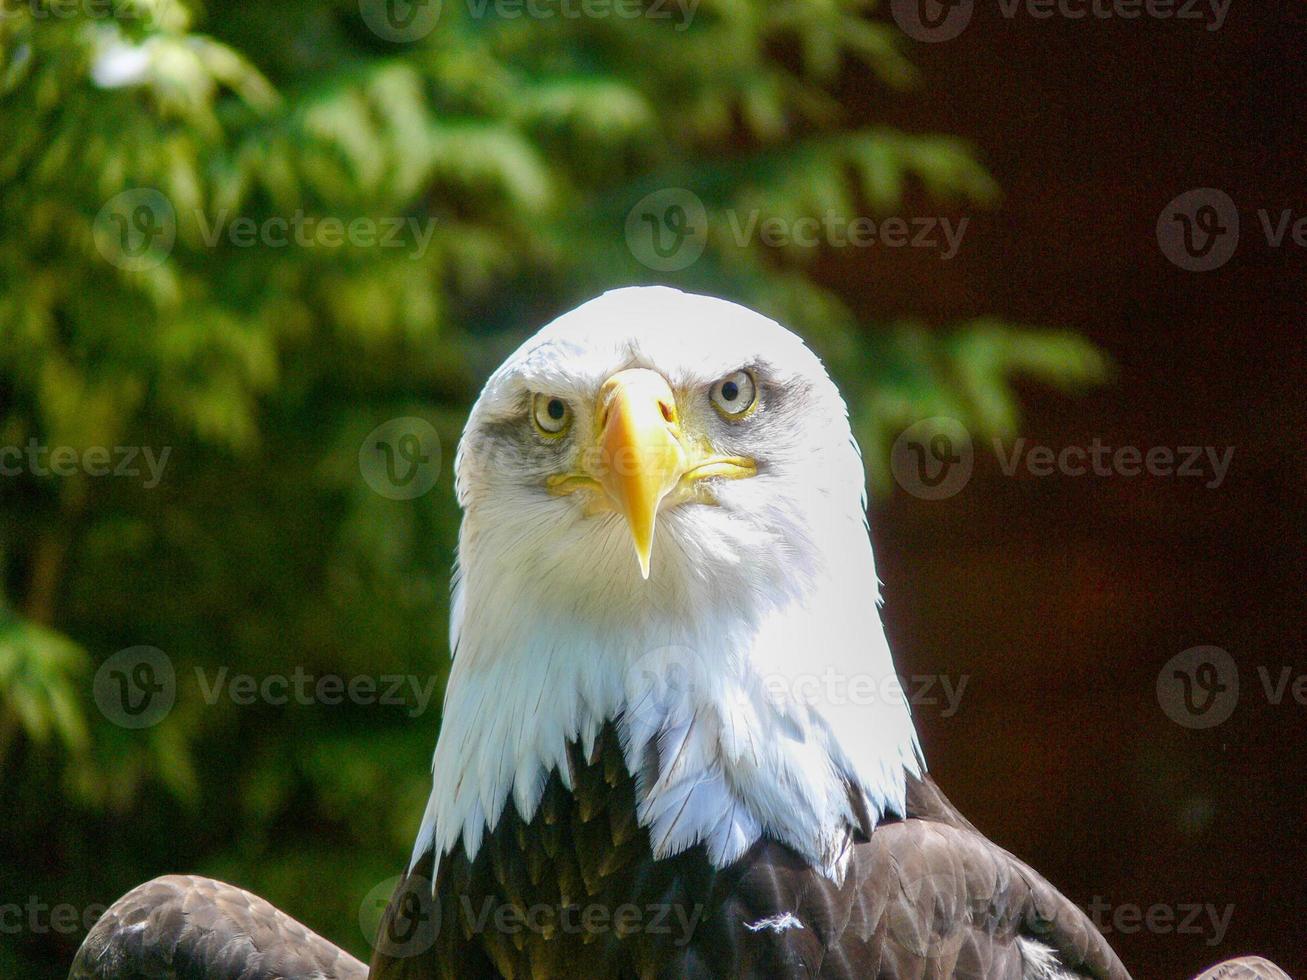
[[256, 260]]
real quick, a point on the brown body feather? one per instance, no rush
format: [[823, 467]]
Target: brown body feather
[[576, 892], [184, 927]]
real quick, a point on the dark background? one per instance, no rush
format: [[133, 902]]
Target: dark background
[[1062, 597]]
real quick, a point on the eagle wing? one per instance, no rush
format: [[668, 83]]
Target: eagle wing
[[1244, 968], [183, 927], [927, 896]]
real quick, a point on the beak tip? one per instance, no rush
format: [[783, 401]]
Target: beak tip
[[644, 556]]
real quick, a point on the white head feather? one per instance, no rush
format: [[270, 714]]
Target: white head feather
[[753, 657]]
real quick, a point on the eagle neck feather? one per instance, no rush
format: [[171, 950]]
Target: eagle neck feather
[[735, 706]]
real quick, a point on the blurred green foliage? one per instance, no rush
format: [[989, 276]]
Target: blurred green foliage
[[521, 144]]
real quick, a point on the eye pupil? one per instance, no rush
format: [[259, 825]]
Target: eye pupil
[[551, 414], [735, 395]]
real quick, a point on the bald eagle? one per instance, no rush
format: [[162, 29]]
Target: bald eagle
[[644, 768]]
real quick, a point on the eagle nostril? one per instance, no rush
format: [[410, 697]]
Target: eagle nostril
[[668, 410]]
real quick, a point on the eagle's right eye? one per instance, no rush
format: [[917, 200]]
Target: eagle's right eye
[[735, 395], [552, 415]]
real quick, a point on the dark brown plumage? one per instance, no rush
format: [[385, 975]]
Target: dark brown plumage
[[183, 927], [926, 897]]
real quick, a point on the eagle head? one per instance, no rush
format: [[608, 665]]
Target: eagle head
[[664, 528]]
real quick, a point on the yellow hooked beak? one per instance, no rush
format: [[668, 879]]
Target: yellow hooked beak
[[640, 454], [641, 457]]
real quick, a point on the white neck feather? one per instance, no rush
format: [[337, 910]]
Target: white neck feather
[[767, 692]]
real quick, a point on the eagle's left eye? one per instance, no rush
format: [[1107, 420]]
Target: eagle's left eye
[[552, 415], [735, 394]]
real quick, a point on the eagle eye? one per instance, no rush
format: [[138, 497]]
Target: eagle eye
[[735, 395], [551, 414]]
